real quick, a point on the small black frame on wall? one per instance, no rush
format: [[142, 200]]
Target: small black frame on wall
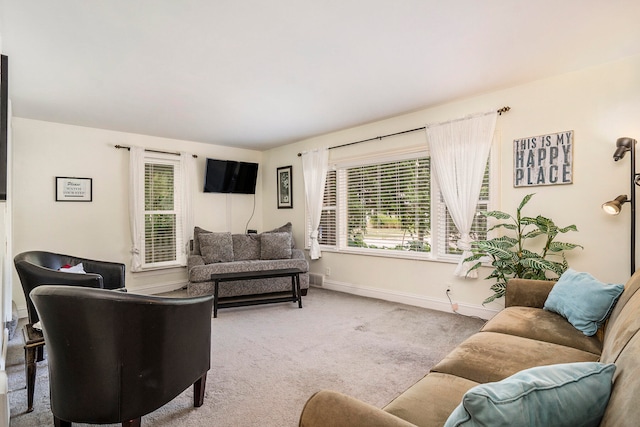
[[285, 199], [70, 189]]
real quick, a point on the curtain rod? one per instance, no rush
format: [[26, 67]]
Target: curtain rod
[[155, 151], [500, 111]]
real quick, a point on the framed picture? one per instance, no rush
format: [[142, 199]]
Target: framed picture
[[73, 189], [285, 199]]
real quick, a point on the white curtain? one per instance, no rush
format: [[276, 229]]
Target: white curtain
[[314, 170], [459, 151], [136, 190], [188, 164]]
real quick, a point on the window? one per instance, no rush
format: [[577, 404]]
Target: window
[[159, 212], [385, 207]]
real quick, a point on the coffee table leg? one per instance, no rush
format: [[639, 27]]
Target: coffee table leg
[[215, 298], [30, 369], [298, 290]]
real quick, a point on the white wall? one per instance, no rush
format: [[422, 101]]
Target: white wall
[[599, 104], [100, 229]]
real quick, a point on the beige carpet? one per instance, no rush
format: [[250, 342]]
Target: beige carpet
[[268, 360]]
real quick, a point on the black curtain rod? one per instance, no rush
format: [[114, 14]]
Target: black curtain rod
[[500, 111], [156, 151]]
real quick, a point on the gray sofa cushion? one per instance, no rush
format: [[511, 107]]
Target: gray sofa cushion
[[287, 228], [275, 246], [197, 231], [216, 247], [246, 247]]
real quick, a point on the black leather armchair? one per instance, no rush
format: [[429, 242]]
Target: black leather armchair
[[37, 268], [153, 349]]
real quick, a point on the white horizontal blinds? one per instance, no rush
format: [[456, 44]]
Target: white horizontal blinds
[[450, 234], [327, 231], [162, 212], [388, 205]]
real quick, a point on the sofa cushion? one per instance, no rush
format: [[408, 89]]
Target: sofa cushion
[[246, 247], [572, 394], [488, 356], [197, 231], [542, 325], [287, 228], [216, 247], [583, 300], [443, 392], [275, 246]]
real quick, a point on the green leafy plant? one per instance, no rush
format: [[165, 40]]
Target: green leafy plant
[[510, 255]]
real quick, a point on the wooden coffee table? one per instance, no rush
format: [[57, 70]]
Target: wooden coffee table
[[295, 296], [33, 352]]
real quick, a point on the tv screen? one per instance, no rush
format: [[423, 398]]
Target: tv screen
[[228, 176]]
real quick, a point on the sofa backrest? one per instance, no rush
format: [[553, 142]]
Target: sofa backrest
[[622, 346]]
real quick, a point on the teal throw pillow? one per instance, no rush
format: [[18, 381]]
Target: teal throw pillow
[[583, 300], [569, 394]]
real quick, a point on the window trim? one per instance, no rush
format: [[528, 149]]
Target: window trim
[[150, 157]]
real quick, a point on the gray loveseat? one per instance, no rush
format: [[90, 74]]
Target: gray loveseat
[[522, 336], [214, 253]]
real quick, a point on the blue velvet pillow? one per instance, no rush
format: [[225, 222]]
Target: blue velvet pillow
[[583, 300], [569, 394]]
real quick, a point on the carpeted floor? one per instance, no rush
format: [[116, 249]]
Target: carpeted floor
[[268, 360]]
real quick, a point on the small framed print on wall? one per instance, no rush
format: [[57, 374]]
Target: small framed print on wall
[[73, 189], [285, 199]]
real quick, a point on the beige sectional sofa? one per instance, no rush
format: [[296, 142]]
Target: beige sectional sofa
[[522, 336], [215, 252]]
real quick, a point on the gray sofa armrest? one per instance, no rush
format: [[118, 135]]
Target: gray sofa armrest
[[297, 253], [194, 261], [330, 408], [527, 292]]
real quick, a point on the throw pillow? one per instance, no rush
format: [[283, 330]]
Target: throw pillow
[[246, 247], [570, 394], [275, 246], [583, 300], [196, 239], [287, 228], [78, 268], [216, 247]]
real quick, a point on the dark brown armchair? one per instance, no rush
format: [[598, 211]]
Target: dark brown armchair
[[153, 349], [37, 268]]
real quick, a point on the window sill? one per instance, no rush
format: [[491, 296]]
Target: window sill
[[415, 256]]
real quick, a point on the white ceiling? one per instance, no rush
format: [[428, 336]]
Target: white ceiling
[[258, 74]]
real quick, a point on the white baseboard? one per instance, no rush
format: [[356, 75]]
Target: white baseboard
[[158, 289], [409, 299]]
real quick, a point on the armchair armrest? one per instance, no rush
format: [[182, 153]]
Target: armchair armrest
[[527, 292], [330, 408], [112, 272]]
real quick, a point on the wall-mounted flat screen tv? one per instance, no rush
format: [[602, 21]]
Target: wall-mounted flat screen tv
[[228, 176]]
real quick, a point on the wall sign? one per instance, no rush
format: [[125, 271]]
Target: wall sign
[[543, 160], [73, 189]]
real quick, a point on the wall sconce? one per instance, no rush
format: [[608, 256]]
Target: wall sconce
[[615, 206]]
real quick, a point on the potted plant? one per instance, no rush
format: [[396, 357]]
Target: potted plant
[[512, 256]]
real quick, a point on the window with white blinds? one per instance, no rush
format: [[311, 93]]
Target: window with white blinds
[[327, 231], [386, 207], [162, 213]]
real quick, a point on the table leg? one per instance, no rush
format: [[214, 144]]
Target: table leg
[[298, 290], [30, 369], [215, 298]]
